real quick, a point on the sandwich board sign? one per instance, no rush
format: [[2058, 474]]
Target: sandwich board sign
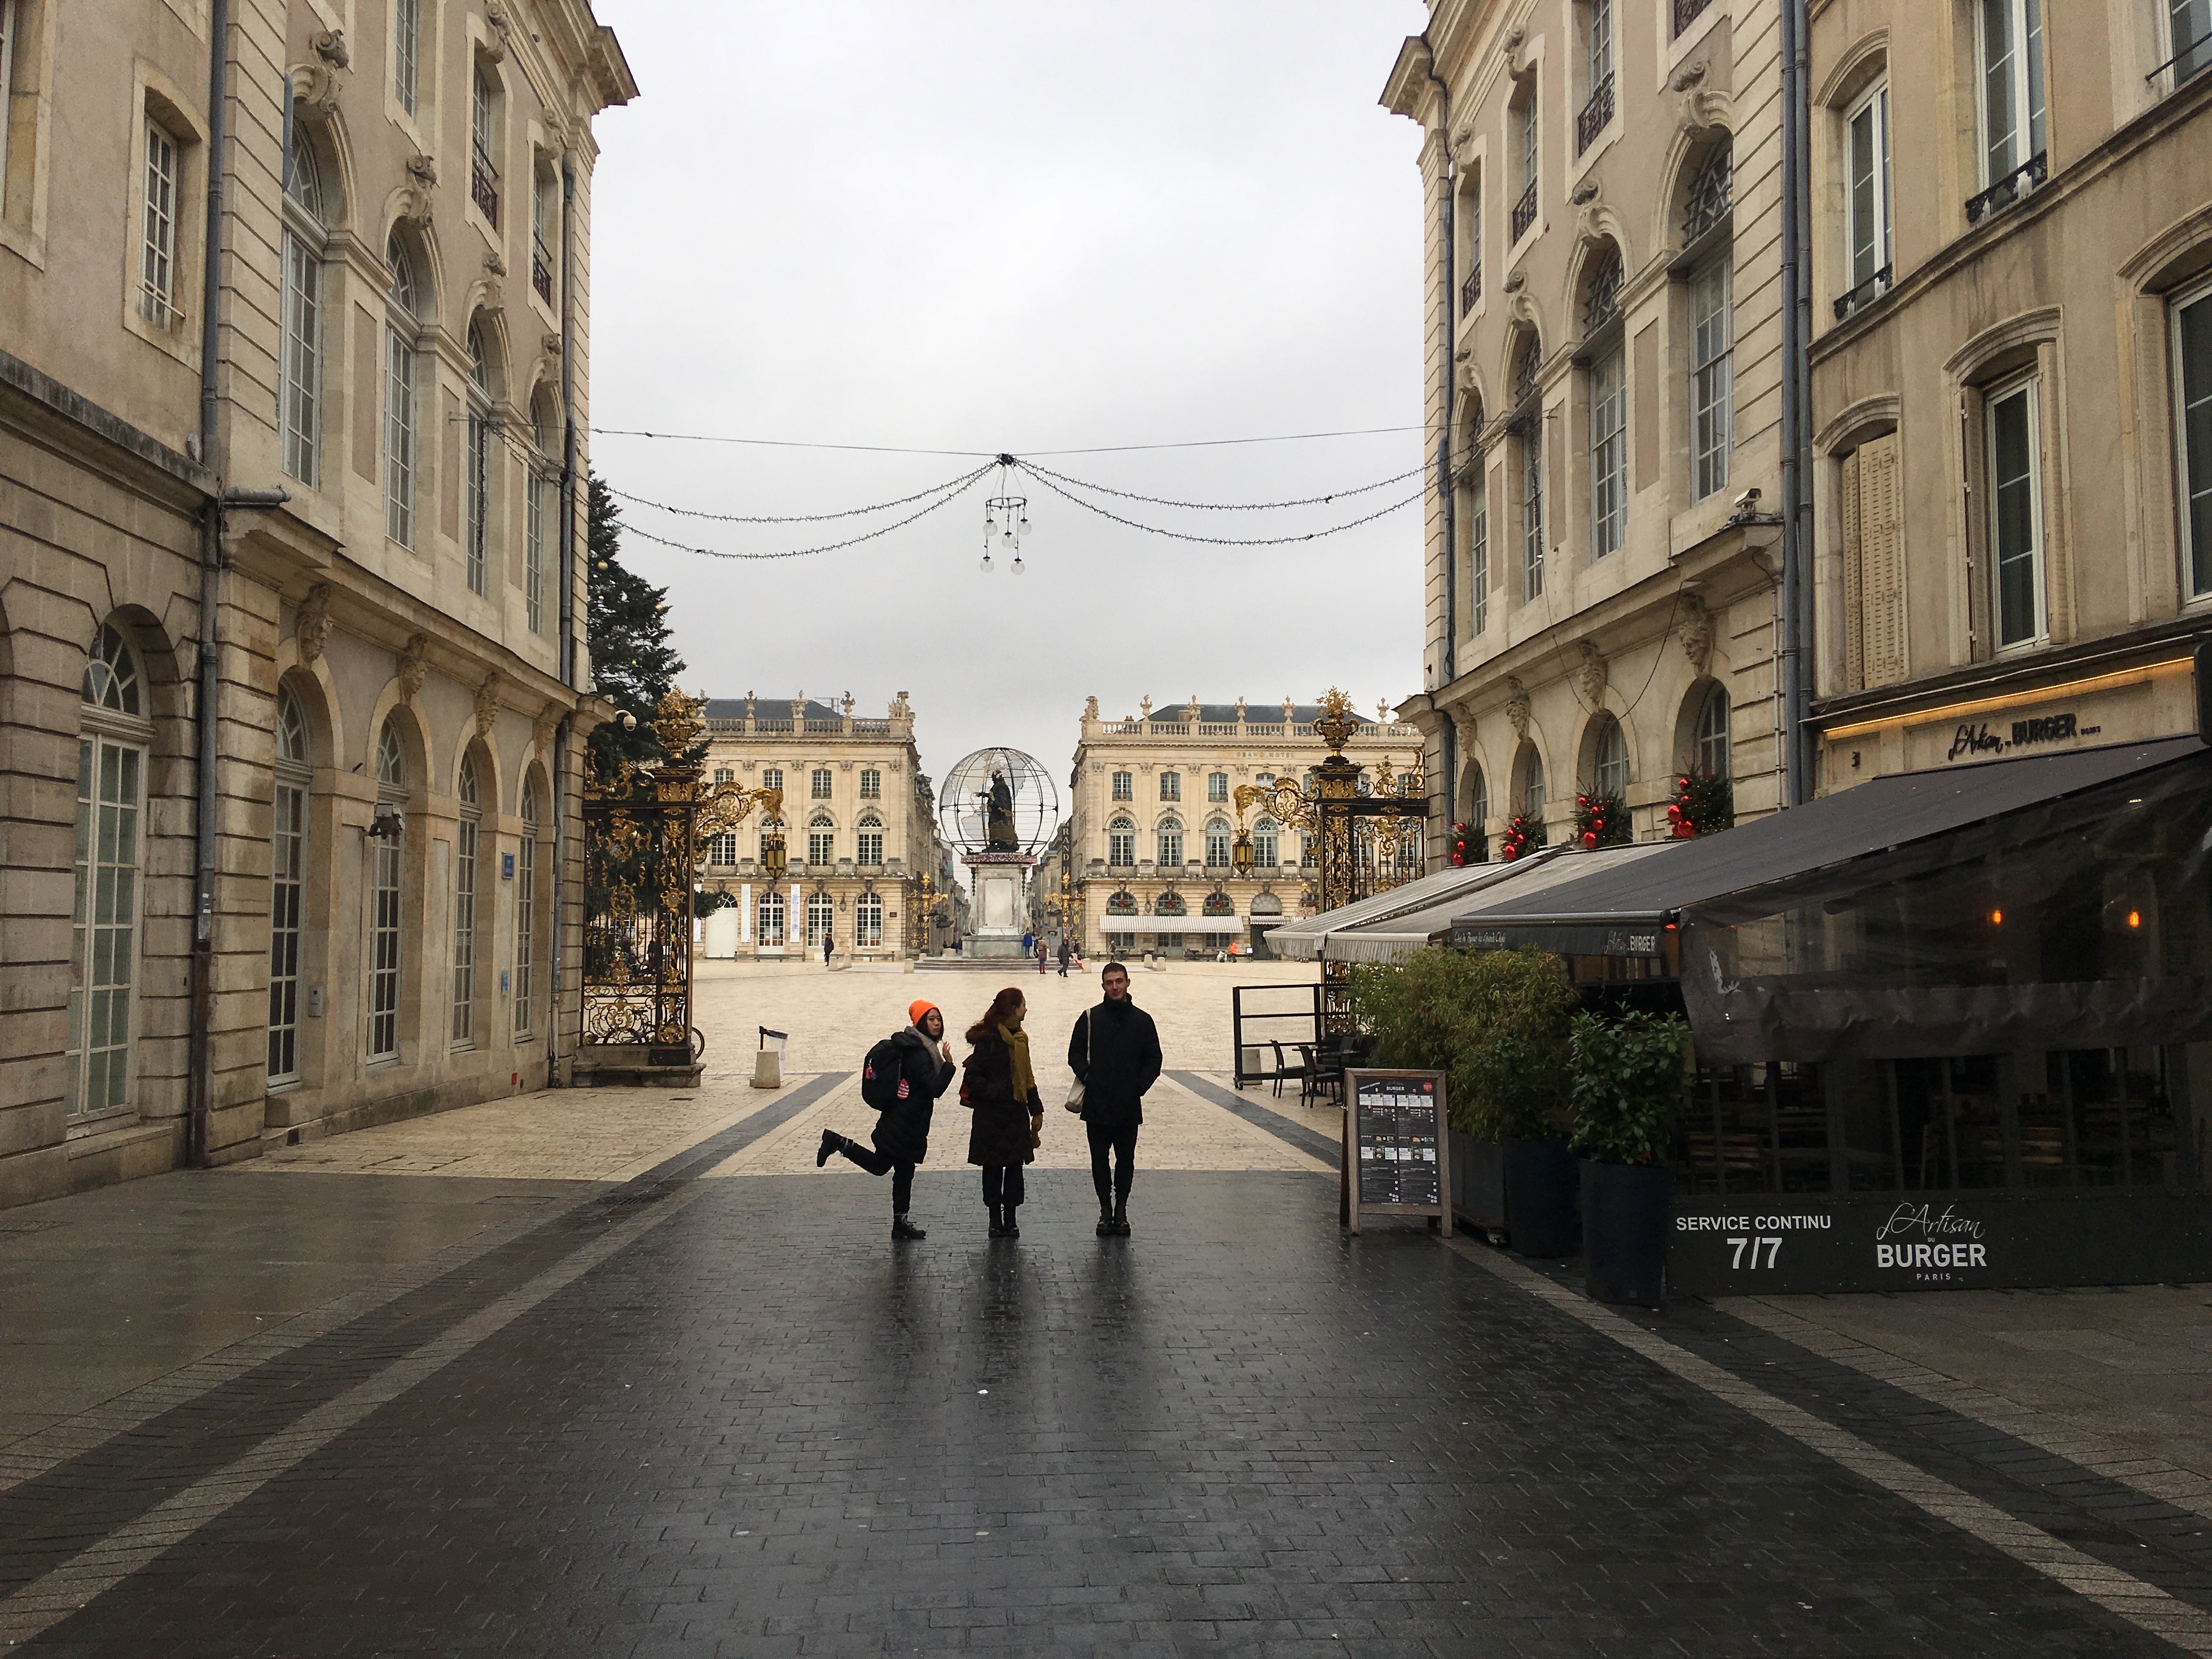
[[1397, 1145]]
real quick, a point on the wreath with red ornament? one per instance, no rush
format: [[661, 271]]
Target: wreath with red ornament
[[1523, 834], [1702, 803], [1601, 821], [1467, 846]]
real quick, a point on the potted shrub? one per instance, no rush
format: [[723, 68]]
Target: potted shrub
[[1495, 1024], [1628, 1080]]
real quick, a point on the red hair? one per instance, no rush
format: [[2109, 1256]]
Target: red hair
[[1000, 1011]]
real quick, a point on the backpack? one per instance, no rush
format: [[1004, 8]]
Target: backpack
[[881, 1074]]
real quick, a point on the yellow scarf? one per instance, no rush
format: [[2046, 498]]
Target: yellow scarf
[[1017, 1045]]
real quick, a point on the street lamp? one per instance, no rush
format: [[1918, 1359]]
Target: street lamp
[[1240, 854], [772, 859]]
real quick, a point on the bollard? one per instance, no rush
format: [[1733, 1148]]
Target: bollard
[[767, 1069]]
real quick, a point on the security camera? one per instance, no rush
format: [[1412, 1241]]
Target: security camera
[[1749, 502], [390, 823]]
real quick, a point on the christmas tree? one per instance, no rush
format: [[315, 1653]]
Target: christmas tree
[[1702, 803]]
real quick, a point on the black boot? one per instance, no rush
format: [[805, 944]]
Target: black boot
[[998, 1223], [1121, 1216], [1010, 1231], [901, 1228], [832, 1143], [1105, 1222]]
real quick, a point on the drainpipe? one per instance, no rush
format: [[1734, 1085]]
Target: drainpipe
[[567, 651], [200, 1058], [1448, 666], [1794, 651]]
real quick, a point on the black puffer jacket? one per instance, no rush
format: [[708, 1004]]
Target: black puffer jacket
[[1000, 1131], [1115, 1050], [902, 1126]]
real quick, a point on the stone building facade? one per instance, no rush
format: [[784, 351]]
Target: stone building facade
[[2011, 376], [859, 828], [1603, 394], [1152, 821], [291, 687]]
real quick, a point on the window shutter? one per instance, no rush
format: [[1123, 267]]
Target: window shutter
[[1882, 562]]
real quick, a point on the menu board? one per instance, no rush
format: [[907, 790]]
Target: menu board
[[1396, 1145]]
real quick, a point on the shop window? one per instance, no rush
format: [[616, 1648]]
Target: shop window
[[526, 916], [1874, 565], [2192, 382], [2015, 517], [108, 868], [288, 882]]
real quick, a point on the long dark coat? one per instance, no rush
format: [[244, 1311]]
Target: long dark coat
[[999, 1132], [1115, 1050], [902, 1127]]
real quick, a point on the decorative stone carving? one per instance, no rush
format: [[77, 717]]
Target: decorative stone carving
[[494, 47], [1143, 708], [1240, 709], [411, 200], [493, 266], [414, 666], [1516, 708], [1691, 75], [1585, 191], [847, 705], [1090, 708], [1589, 675], [329, 45], [424, 170], [1515, 38], [315, 88], [899, 708], [547, 723], [312, 628], [488, 704], [1697, 631]]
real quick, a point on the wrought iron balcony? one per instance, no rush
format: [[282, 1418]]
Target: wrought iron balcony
[[2025, 178], [541, 269], [1864, 294], [1470, 291], [1687, 12], [2185, 64], [483, 189], [1524, 211], [1594, 115]]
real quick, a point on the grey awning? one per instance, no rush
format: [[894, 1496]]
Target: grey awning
[[1616, 911], [1392, 938], [1300, 940]]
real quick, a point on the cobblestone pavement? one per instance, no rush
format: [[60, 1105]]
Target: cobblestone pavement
[[674, 1392]]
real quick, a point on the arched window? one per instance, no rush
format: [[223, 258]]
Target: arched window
[[868, 921], [821, 920], [821, 839], [477, 469], [1169, 838], [1121, 903], [467, 833], [1528, 445], [299, 377], [1711, 739], [1532, 784], [1266, 844], [871, 842], [402, 327], [1609, 759], [1218, 904], [385, 875], [1478, 799], [1168, 904], [771, 919], [1708, 205], [114, 737], [526, 916], [1219, 835], [287, 880], [1121, 842]]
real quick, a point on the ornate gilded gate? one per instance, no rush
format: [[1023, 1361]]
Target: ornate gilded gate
[[641, 847]]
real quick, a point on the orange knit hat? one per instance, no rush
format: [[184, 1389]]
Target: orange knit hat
[[918, 1010]]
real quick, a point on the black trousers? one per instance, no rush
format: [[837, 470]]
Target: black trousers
[[876, 1164], [1002, 1184], [1112, 1186]]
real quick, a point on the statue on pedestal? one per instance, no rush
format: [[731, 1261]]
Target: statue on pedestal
[[999, 832]]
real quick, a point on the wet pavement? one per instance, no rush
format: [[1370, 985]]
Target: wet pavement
[[692, 1415]]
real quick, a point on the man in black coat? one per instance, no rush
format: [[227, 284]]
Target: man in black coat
[[902, 1136], [1114, 1051]]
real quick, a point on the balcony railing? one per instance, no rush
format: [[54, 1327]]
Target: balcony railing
[[2185, 64], [1470, 291], [483, 189], [1594, 115], [1687, 12], [1864, 294], [2027, 177], [541, 269], [1524, 211]]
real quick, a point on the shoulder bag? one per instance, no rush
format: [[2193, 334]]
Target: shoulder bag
[[1075, 1092]]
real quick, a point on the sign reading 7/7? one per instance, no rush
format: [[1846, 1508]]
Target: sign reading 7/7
[[1773, 1247]]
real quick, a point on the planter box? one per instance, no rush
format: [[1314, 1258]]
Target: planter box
[[1541, 1214], [1625, 1211], [1478, 1179]]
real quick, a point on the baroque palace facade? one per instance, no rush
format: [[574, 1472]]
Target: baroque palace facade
[[294, 381], [1148, 849], [863, 861], [1602, 397]]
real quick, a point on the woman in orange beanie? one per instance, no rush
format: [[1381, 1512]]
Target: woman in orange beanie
[[901, 1079]]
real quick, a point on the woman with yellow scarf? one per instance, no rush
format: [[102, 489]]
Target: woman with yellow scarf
[[1001, 1091]]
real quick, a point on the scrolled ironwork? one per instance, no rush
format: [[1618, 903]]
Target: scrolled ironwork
[[1711, 194]]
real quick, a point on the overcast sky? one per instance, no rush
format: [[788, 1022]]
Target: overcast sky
[[999, 227]]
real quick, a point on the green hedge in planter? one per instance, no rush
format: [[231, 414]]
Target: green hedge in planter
[[1495, 1021], [1628, 1081]]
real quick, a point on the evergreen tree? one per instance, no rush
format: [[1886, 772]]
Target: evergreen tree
[[633, 664]]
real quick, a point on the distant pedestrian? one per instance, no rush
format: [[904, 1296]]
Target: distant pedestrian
[[901, 1079], [1000, 1089], [1043, 956], [827, 942], [1114, 1051], [1067, 954], [1029, 943]]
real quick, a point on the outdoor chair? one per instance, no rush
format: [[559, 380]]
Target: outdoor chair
[[1285, 1069]]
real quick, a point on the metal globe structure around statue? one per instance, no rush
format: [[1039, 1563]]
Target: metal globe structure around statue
[[998, 801]]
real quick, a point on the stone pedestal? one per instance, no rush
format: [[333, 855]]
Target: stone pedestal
[[999, 913]]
